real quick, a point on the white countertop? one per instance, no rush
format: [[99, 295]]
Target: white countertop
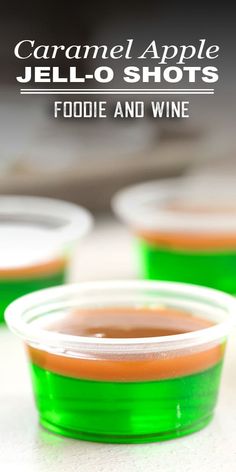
[[24, 446]]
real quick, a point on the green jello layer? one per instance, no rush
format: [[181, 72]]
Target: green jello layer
[[11, 289], [210, 268], [125, 412]]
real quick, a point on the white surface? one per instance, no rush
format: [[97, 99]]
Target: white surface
[[26, 447]]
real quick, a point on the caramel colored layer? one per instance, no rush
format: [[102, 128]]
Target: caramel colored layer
[[190, 240], [197, 240], [128, 370], [37, 270], [128, 323], [125, 322]]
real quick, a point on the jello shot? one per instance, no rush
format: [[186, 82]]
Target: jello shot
[[185, 230], [37, 240], [124, 362]]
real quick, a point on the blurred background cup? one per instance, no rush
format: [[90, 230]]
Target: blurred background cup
[[185, 229], [37, 240]]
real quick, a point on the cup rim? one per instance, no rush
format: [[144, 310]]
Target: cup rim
[[53, 340], [130, 205], [78, 223]]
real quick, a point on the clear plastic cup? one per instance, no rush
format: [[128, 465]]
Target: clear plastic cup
[[184, 228], [37, 240], [116, 387]]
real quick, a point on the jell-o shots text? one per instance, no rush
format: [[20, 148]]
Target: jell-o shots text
[[184, 229], [124, 362], [37, 240]]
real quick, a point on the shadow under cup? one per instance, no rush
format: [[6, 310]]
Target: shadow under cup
[[121, 388], [185, 230], [37, 240]]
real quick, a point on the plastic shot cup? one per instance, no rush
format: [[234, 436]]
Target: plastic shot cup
[[124, 362], [185, 230], [37, 239]]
